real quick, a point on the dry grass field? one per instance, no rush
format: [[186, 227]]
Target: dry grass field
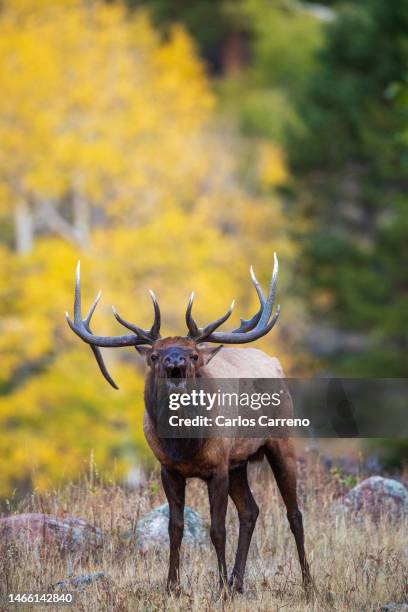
[[355, 567]]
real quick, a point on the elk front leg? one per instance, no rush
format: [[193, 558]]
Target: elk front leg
[[174, 486], [218, 496], [248, 511], [281, 458]]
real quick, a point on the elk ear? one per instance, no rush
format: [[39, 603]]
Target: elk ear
[[144, 351], [209, 352]]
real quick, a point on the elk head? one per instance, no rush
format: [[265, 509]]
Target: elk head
[[177, 358]]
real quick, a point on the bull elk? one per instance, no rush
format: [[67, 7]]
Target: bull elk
[[220, 462]]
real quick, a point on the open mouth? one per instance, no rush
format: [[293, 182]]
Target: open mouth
[[176, 378]]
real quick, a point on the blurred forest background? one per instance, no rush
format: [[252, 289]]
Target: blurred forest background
[[169, 145]]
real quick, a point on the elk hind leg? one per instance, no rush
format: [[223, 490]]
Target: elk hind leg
[[281, 458]]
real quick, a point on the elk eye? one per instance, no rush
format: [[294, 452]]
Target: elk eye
[[154, 357], [194, 357]]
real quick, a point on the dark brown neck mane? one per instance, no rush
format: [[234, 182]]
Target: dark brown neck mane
[[177, 449]]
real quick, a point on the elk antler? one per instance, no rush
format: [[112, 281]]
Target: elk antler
[[252, 329], [82, 328]]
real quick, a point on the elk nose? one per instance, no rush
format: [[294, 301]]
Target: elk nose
[[174, 361]]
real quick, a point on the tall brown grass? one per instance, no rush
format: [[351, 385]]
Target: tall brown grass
[[355, 566]]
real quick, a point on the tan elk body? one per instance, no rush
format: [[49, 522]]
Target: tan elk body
[[230, 363]]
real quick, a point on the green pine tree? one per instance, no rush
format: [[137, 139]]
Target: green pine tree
[[350, 164]]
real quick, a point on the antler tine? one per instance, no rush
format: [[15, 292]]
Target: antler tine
[[148, 336], [248, 324], [96, 351], [155, 329], [138, 331], [92, 308], [77, 299], [81, 327], [196, 332], [252, 329], [211, 327], [257, 285], [99, 360], [268, 306], [193, 330]]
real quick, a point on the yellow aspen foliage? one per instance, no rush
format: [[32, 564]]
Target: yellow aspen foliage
[[271, 164], [107, 129], [91, 100]]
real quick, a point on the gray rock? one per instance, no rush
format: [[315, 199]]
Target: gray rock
[[70, 534], [398, 607], [152, 529], [375, 497]]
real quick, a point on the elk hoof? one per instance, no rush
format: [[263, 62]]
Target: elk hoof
[[174, 589], [235, 585], [309, 588], [224, 592]]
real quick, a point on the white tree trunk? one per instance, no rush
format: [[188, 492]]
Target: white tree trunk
[[81, 218], [24, 227]]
